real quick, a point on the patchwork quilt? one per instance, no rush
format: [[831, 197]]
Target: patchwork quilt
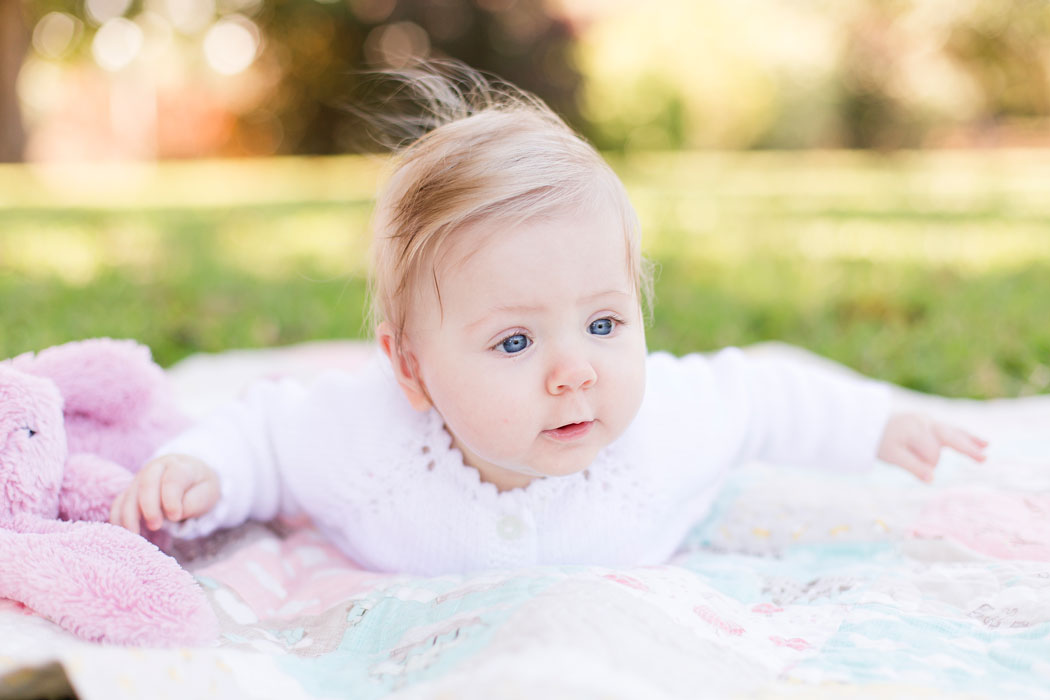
[[797, 583]]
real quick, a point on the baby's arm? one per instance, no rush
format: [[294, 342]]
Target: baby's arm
[[171, 487], [803, 414], [914, 441], [221, 472]]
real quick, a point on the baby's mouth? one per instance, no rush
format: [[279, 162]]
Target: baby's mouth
[[570, 431]]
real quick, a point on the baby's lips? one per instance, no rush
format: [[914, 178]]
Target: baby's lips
[[570, 423], [570, 430]]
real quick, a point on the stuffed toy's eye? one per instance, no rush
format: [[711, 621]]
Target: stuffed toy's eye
[[29, 430]]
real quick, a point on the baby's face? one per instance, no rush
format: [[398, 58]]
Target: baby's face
[[535, 358]]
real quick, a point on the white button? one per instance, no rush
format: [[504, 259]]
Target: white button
[[510, 527]]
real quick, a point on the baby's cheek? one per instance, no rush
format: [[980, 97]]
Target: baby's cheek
[[491, 438], [629, 394], [484, 420], [497, 426]]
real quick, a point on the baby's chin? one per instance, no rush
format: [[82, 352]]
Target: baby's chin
[[573, 464], [515, 475], [546, 459], [569, 459]]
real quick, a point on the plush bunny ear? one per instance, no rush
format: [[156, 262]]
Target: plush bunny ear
[[105, 380], [32, 444], [118, 403], [103, 583]]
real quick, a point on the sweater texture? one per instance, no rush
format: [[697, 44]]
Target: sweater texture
[[385, 484]]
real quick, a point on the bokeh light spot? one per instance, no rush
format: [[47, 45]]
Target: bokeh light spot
[[187, 16], [372, 11], [447, 20], [396, 45], [231, 44], [244, 7], [496, 5], [157, 36], [101, 11], [40, 86], [117, 43], [54, 34]]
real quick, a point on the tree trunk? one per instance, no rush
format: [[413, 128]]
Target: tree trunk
[[13, 43]]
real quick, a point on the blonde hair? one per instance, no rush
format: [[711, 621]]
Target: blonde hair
[[477, 150]]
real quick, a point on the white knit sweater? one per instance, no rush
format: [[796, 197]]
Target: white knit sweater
[[385, 485]]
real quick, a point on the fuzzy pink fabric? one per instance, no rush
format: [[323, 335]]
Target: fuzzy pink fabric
[[118, 402], [1004, 525], [103, 583], [31, 435], [89, 485], [99, 581]]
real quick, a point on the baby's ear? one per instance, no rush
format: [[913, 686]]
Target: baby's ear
[[405, 366]]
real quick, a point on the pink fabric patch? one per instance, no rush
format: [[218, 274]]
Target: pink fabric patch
[[1003, 525], [794, 643], [628, 581], [712, 618], [766, 609], [303, 570]]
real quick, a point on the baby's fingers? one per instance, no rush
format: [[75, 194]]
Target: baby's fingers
[[116, 509], [173, 488], [148, 493], [200, 498], [926, 447], [188, 490], [912, 462], [125, 510], [961, 441]]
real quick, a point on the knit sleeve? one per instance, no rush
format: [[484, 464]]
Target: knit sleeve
[[812, 416], [238, 443], [783, 411]]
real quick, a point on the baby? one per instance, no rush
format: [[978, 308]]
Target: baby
[[514, 416]]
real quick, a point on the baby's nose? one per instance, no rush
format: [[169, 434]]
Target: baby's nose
[[571, 374]]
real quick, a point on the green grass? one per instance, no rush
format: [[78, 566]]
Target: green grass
[[928, 270]]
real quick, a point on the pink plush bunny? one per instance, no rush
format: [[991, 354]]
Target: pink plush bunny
[[117, 401], [58, 469]]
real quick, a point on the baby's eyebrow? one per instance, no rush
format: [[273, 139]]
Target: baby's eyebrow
[[607, 293], [504, 309], [536, 308], [516, 308]]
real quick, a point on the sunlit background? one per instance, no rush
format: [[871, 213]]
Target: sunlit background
[[869, 179], [108, 79]]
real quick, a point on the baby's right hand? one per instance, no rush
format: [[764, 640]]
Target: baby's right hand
[[172, 487]]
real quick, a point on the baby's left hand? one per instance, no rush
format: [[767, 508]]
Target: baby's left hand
[[914, 441]]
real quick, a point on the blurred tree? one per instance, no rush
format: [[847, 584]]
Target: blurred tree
[[309, 54], [13, 44], [254, 77], [316, 49], [1006, 50], [817, 73], [872, 112], [994, 55]]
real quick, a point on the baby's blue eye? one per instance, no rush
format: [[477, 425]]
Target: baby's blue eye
[[515, 343], [603, 326]]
